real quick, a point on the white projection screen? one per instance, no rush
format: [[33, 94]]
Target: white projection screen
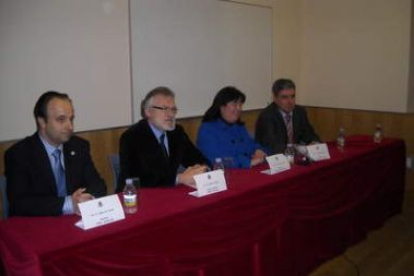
[[77, 47], [107, 54], [196, 47]]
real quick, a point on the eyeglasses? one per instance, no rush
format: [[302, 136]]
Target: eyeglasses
[[166, 109]]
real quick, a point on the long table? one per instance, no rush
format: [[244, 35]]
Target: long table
[[284, 224]]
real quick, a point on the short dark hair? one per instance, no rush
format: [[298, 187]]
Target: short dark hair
[[40, 108], [160, 90], [224, 96], [282, 84]]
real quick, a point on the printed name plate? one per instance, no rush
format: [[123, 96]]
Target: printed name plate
[[277, 163], [100, 211], [318, 152], [209, 183]]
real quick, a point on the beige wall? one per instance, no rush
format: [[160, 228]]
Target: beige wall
[[287, 26], [287, 36], [352, 54]]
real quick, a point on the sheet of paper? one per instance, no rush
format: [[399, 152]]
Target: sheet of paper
[[209, 183], [100, 211], [277, 163], [318, 152]]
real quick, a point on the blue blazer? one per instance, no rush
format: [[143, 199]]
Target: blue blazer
[[220, 139]]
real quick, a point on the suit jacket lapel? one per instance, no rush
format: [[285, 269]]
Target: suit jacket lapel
[[281, 122], [44, 164], [154, 143], [69, 154], [171, 146], [295, 124]]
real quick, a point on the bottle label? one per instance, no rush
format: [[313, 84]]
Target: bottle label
[[130, 200]]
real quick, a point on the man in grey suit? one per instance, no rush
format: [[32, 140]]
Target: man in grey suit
[[283, 122]]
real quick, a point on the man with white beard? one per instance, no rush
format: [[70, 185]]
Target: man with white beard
[[154, 148]]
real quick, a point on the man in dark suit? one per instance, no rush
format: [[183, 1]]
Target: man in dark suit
[[283, 122], [154, 148], [50, 172]]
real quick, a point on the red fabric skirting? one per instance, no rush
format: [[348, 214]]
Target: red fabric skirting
[[285, 224]]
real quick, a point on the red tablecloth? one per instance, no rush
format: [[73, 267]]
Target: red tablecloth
[[284, 224]]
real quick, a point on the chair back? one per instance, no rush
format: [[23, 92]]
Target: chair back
[[4, 201], [115, 168]]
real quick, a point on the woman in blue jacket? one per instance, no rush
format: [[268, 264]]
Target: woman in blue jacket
[[223, 135]]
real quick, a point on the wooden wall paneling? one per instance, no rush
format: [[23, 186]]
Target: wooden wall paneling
[[3, 147], [191, 126], [249, 118], [104, 143], [327, 121]]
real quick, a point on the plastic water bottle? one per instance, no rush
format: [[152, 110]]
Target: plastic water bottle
[[340, 140], [218, 164], [378, 134], [130, 197]]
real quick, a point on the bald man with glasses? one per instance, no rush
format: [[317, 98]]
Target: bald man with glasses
[[156, 147]]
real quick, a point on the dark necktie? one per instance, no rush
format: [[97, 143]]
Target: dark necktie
[[59, 173], [162, 144], [289, 128]]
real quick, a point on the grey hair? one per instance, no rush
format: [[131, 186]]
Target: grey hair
[[147, 101]]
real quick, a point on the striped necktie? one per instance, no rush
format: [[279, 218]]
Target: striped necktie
[[289, 128]]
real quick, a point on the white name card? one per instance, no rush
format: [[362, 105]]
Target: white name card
[[209, 183], [100, 211], [277, 163], [318, 152]]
